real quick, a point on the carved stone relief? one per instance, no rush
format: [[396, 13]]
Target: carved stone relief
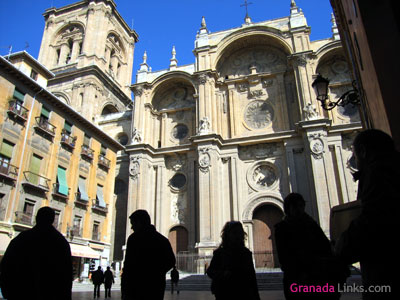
[[176, 162], [204, 126], [317, 145], [136, 136], [204, 159], [175, 98], [134, 167], [258, 114], [263, 176], [257, 151], [178, 208], [262, 59]]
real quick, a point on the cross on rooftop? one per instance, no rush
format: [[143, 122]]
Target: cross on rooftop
[[246, 4]]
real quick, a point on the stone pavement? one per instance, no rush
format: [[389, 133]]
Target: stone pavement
[[199, 295]]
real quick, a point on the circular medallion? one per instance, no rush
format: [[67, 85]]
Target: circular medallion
[[180, 131], [263, 176], [317, 147], [258, 114]]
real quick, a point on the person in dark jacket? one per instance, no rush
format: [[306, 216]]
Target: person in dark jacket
[[108, 281], [371, 238], [37, 263], [231, 268], [174, 280], [97, 279], [148, 258], [305, 254]]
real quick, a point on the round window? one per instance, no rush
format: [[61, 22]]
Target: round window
[[178, 181], [180, 131]]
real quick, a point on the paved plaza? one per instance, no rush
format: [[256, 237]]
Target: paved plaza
[[200, 295]]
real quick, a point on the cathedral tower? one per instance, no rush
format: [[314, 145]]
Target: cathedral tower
[[90, 49]]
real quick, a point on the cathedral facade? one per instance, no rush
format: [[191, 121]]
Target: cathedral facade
[[229, 136], [225, 138]]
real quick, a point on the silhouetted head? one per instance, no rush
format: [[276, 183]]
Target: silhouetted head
[[108, 268], [45, 216], [294, 205], [99, 268], [232, 235], [140, 219], [371, 144]]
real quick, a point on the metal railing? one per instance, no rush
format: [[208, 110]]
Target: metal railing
[[87, 152], [99, 208], [23, 218], [104, 162], [56, 191], [36, 180], [43, 124], [8, 169], [16, 108], [194, 263], [79, 200], [67, 139]]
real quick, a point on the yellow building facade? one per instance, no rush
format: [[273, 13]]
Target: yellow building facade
[[50, 155]]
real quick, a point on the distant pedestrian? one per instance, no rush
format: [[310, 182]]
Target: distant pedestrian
[[231, 268], [148, 258], [305, 253], [37, 263], [371, 238], [174, 280], [97, 279], [108, 281]]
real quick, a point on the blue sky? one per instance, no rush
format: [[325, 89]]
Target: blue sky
[[159, 23]]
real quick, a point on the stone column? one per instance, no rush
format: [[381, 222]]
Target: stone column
[[232, 112], [63, 54], [315, 141], [75, 51]]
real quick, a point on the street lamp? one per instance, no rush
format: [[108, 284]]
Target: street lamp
[[320, 85]]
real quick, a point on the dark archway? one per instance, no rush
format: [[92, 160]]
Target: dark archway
[[264, 219]]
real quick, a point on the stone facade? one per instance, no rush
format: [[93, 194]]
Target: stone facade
[[228, 137]]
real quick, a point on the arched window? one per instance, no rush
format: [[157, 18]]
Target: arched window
[[109, 109]]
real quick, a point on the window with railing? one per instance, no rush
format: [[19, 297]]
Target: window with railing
[[17, 110], [87, 152], [35, 180], [67, 139], [8, 169], [104, 161], [43, 125], [96, 231]]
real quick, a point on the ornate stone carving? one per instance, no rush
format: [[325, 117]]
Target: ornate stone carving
[[174, 98], [136, 136], [256, 93], [263, 176], [317, 146], [204, 126], [310, 112], [134, 167], [176, 162], [178, 208], [257, 151], [204, 159], [258, 114]]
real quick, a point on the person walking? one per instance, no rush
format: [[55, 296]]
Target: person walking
[[37, 263], [305, 253], [174, 280], [231, 268], [371, 238], [98, 279], [108, 281], [148, 258]]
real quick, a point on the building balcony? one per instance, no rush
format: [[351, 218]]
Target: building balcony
[[104, 162], [36, 182], [43, 126], [80, 202], [67, 140], [96, 236], [23, 218], [18, 112], [58, 195], [87, 153], [7, 170], [98, 208]]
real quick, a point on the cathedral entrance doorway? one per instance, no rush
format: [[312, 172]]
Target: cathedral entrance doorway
[[264, 219], [178, 237]]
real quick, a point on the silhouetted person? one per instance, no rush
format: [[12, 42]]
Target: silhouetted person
[[148, 258], [37, 263], [231, 268], [305, 253], [372, 238], [108, 281], [97, 279], [174, 280]]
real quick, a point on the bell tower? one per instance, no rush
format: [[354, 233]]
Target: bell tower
[[90, 48]]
